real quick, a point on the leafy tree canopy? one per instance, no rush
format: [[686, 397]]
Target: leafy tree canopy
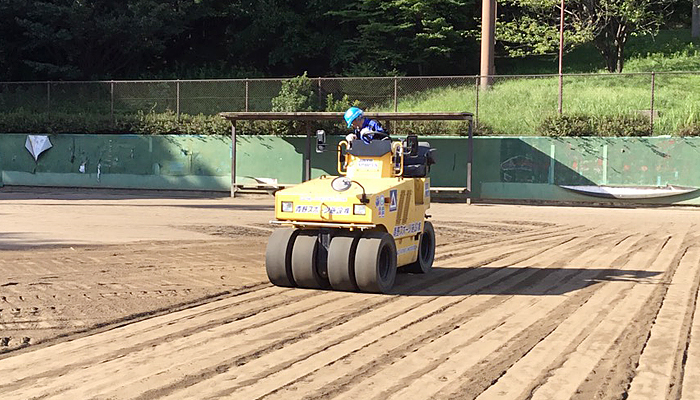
[[532, 26], [132, 39]]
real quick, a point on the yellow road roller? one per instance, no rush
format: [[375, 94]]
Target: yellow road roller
[[351, 232]]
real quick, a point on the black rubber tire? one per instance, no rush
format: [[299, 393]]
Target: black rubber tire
[[375, 262], [426, 251], [305, 262], [341, 262], [278, 257]]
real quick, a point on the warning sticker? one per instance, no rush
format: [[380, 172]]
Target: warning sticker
[[393, 204]]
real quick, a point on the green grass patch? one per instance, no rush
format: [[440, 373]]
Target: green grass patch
[[520, 106]]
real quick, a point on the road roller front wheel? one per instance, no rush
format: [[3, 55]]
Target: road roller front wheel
[[375, 262], [341, 262], [278, 257], [305, 262]]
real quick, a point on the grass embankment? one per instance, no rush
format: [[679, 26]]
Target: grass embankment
[[520, 105]]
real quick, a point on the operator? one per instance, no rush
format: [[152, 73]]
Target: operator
[[364, 128]]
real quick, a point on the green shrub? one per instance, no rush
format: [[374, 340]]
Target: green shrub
[[435, 128], [689, 130], [567, 125], [296, 94], [631, 125], [587, 125], [140, 123]]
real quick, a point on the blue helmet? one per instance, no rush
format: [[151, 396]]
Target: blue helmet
[[352, 114]]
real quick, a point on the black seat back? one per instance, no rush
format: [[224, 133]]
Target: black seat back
[[375, 148], [418, 166]]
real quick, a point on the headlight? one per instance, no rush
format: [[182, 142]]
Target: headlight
[[287, 206], [359, 209]]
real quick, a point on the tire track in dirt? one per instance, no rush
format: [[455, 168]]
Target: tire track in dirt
[[149, 333], [659, 373], [613, 373], [258, 355], [246, 386], [555, 347], [515, 302], [238, 363], [415, 383], [122, 284], [690, 387], [488, 307], [447, 251]]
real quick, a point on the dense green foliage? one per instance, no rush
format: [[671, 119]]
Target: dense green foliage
[[109, 39], [592, 125], [138, 39], [532, 26]]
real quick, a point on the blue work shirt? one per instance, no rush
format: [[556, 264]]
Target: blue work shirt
[[373, 126]]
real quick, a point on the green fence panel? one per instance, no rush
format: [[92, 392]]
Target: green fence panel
[[509, 168]]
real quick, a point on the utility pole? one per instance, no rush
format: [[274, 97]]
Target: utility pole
[[488, 33]]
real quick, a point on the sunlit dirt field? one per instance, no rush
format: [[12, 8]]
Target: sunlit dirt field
[[146, 295]]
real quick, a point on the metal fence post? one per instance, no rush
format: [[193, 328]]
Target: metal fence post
[[320, 94], [396, 94], [234, 186], [651, 110], [111, 102], [246, 94], [476, 106], [177, 99], [561, 93]]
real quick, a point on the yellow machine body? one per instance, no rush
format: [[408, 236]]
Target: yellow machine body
[[344, 230], [396, 205]]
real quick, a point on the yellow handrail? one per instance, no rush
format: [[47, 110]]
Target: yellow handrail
[[397, 151], [342, 171]]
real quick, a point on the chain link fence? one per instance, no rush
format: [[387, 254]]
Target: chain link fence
[[513, 104]]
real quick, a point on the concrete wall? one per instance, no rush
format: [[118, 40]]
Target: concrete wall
[[510, 168]]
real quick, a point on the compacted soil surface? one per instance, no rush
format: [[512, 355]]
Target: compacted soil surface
[[138, 295]]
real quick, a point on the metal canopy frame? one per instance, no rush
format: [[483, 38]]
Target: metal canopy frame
[[233, 117]]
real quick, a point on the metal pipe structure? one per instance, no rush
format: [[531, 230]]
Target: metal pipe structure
[[234, 186], [338, 116], [651, 107]]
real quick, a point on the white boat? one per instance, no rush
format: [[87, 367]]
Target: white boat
[[630, 192]]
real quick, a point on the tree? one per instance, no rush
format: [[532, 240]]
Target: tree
[[419, 36], [285, 37], [67, 39], [530, 26]]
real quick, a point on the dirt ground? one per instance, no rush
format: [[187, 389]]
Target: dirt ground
[[115, 295]]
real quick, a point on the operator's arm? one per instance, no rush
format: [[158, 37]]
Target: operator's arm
[[373, 131], [375, 126]]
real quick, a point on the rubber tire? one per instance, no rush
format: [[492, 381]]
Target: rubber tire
[[341, 262], [305, 261], [278, 257], [375, 262], [426, 251]]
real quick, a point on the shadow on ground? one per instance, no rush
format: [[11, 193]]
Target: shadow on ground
[[526, 281]]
